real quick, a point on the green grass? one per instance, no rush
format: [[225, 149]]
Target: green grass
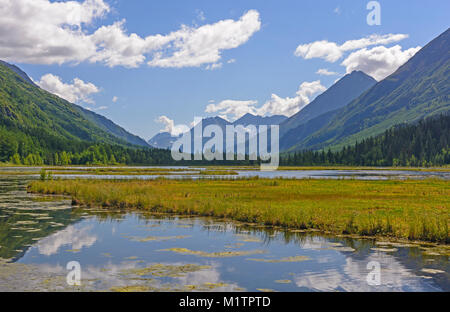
[[93, 170], [406, 209], [119, 171]]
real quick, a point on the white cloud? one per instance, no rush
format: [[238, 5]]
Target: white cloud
[[203, 45], [331, 51], [214, 66], [201, 15], [115, 99], [324, 49], [76, 92], [231, 61], [326, 72], [174, 130], [102, 108], [378, 62], [77, 238], [44, 32], [337, 10], [289, 106], [351, 275], [233, 109]]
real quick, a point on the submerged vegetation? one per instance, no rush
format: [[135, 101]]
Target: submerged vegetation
[[406, 209]]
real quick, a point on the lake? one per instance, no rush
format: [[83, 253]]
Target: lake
[[117, 250], [379, 174]]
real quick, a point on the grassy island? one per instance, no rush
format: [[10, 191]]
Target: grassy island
[[405, 209]]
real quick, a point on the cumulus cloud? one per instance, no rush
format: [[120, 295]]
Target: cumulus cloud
[[378, 62], [351, 275], [232, 109], [76, 92], [203, 45], [44, 32], [76, 237], [174, 130], [115, 99], [331, 51], [288, 106], [214, 66], [326, 72]]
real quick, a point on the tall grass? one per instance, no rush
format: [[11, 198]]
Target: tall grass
[[410, 209]]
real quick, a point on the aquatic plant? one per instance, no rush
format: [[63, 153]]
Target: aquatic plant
[[407, 209]]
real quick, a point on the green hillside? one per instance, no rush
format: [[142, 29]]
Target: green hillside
[[110, 127], [418, 89], [421, 144], [338, 95], [39, 113], [38, 127]]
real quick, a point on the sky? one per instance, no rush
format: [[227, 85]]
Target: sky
[[153, 66]]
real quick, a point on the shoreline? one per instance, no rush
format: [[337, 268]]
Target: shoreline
[[388, 209]]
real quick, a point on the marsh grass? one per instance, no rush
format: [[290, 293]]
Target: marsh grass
[[407, 209], [120, 171]]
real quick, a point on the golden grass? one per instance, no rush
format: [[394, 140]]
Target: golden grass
[[411, 209], [120, 171]]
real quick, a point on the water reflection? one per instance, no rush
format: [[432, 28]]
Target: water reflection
[[394, 277], [121, 250], [192, 173], [70, 236]]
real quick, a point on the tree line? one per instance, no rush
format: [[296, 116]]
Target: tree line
[[424, 144]]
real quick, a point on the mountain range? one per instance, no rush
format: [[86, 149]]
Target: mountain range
[[418, 89], [356, 107], [338, 95], [165, 139]]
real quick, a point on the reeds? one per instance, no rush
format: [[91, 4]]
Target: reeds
[[409, 209]]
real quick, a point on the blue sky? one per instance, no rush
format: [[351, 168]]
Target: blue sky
[[261, 64]]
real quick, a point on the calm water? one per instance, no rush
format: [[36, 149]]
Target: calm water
[[297, 174], [40, 235]]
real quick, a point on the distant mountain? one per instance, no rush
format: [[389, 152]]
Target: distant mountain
[[112, 128], [338, 95], [418, 89], [249, 119], [292, 139], [165, 139], [162, 140], [222, 123]]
